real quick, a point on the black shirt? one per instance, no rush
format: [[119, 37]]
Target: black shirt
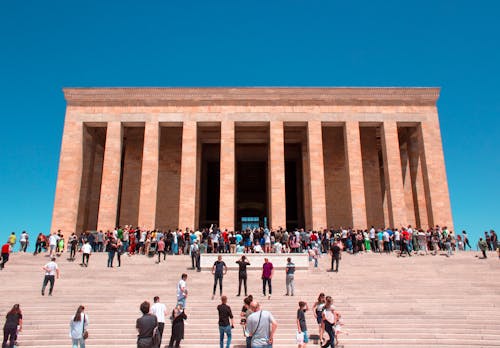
[[12, 320], [301, 317], [224, 314], [146, 325], [243, 266], [219, 267], [335, 250]]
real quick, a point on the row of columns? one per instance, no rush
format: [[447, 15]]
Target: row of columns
[[110, 187]]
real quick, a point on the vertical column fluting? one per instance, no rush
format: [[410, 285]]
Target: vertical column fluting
[[277, 174], [393, 175], [149, 176], [187, 200], [108, 203], [227, 176], [69, 179], [355, 171], [316, 174]]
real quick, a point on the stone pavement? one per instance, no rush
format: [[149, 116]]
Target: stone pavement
[[430, 301]]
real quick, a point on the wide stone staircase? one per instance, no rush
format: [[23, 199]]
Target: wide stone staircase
[[385, 301]]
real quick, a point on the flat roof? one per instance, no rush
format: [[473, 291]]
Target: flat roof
[[252, 96]]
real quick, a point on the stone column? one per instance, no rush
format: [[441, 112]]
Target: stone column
[[277, 174], [227, 176], [434, 172], [393, 175], [108, 203], [187, 200], [316, 174], [355, 171], [69, 178], [149, 176]]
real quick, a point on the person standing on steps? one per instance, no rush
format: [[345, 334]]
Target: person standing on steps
[[483, 246], [242, 273], [226, 323], [466, 240], [219, 269], [301, 323], [336, 256], [77, 326], [178, 317], [290, 276], [145, 326], [160, 310], [13, 320], [267, 275], [51, 272], [182, 291], [160, 249], [111, 249], [86, 250]]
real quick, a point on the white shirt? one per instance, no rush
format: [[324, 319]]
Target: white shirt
[[180, 285], [53, 239], [86, 248], [159, 310], [51, 266], [23, 237]]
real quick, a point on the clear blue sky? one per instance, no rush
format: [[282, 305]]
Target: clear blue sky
[[48, 45]]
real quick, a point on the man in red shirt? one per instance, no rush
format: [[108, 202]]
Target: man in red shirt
[[405, 236], [5, 254]]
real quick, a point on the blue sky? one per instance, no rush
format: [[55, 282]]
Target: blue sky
[[48, 45]]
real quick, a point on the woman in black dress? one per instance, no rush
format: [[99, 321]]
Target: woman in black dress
[[178, 317], [13, 319]]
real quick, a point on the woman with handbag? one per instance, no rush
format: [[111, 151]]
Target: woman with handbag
[[78, 328]]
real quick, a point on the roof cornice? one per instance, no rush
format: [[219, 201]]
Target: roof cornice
[[253, 96]]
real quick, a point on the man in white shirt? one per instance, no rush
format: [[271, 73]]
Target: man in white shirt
[[53, 239], [182, 291], [160, 310], [51, 270], [86, 250], [23, 241]]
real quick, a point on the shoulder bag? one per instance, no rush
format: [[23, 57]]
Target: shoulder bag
[[85, 333]]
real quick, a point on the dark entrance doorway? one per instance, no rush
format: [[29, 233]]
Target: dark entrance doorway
[[251, 192], [209, 185], [294, 193]]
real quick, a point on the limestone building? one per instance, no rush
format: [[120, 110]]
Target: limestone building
[[171, 158]]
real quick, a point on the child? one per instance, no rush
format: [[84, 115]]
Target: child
[[301, 324]]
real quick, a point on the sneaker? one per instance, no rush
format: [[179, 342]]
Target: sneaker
[[43, 293]]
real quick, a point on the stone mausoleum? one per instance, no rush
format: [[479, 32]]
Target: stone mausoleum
[[170, 158]]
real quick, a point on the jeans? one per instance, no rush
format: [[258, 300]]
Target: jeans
[[9, 332], [182, 301], [264, 346], [335, 260], [78, 341], [331, 333], [85, 259], [111, 256], [161, 327], [225, 330], [290, 284], [217, 278], [268, 281], [48, 279]]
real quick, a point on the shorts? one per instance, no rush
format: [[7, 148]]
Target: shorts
[[306, 337], [319, 318]]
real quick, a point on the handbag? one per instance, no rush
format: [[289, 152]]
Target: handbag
[[156, 337], [299, 337], [85, 333]]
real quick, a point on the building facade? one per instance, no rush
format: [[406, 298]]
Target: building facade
[[166, 158]]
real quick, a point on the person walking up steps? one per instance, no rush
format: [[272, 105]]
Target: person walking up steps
[[13, 320], [178, 317], [86, 250], [182, 291], [261, 327], [77, 326], [226, 323], [218, 270], [51, 272], [160, 310]]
